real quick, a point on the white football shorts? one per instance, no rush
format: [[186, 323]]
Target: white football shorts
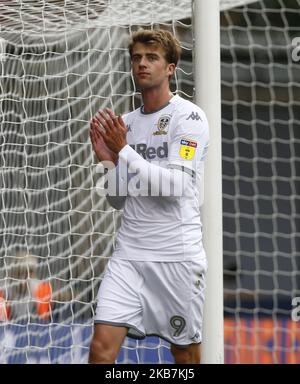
[[154, 298]]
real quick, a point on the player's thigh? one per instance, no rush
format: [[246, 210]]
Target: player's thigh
[[108, 338], [118, 302], [190, 354], [173, 301]]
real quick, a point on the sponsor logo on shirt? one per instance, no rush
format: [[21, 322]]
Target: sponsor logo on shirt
[[150, 153], [162, 125], [187, 149]]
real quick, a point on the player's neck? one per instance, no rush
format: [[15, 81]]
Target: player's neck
[[155, 99]]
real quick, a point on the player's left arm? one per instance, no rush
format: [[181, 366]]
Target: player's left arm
[[181, 166]]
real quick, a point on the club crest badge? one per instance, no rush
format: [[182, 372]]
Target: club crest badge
[[162, 125]]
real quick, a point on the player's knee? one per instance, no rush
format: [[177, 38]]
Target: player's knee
[[189, 355], [101, 353]]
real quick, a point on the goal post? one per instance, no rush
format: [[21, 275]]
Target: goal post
[[207, 77]]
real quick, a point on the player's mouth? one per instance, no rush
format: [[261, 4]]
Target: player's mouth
[[142, 74]]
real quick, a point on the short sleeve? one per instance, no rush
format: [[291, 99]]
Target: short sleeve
[[189, 137]]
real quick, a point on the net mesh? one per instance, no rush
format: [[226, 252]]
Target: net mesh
[[60, 62], [260, 129]]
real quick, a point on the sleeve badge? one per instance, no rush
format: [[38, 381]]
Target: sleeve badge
[[187, 149]]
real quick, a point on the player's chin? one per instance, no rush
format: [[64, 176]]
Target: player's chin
[[145, 86], [143, 82]]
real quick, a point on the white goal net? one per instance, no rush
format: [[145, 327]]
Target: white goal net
[[261, 137], [61, 61]]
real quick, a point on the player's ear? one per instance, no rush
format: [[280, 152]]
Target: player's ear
[[171, 69]]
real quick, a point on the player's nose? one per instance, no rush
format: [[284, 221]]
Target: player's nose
[[143, 62]]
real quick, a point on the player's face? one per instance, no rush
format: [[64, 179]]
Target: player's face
[[149, 66]]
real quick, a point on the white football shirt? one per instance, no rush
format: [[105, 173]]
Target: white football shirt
[[173, 140]]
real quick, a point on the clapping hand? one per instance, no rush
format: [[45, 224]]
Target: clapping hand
[[112, 129], [108, 135]]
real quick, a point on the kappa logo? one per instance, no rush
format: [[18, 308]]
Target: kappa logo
[[128, 126], [196, 336], [194, 116], [162, 125]]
